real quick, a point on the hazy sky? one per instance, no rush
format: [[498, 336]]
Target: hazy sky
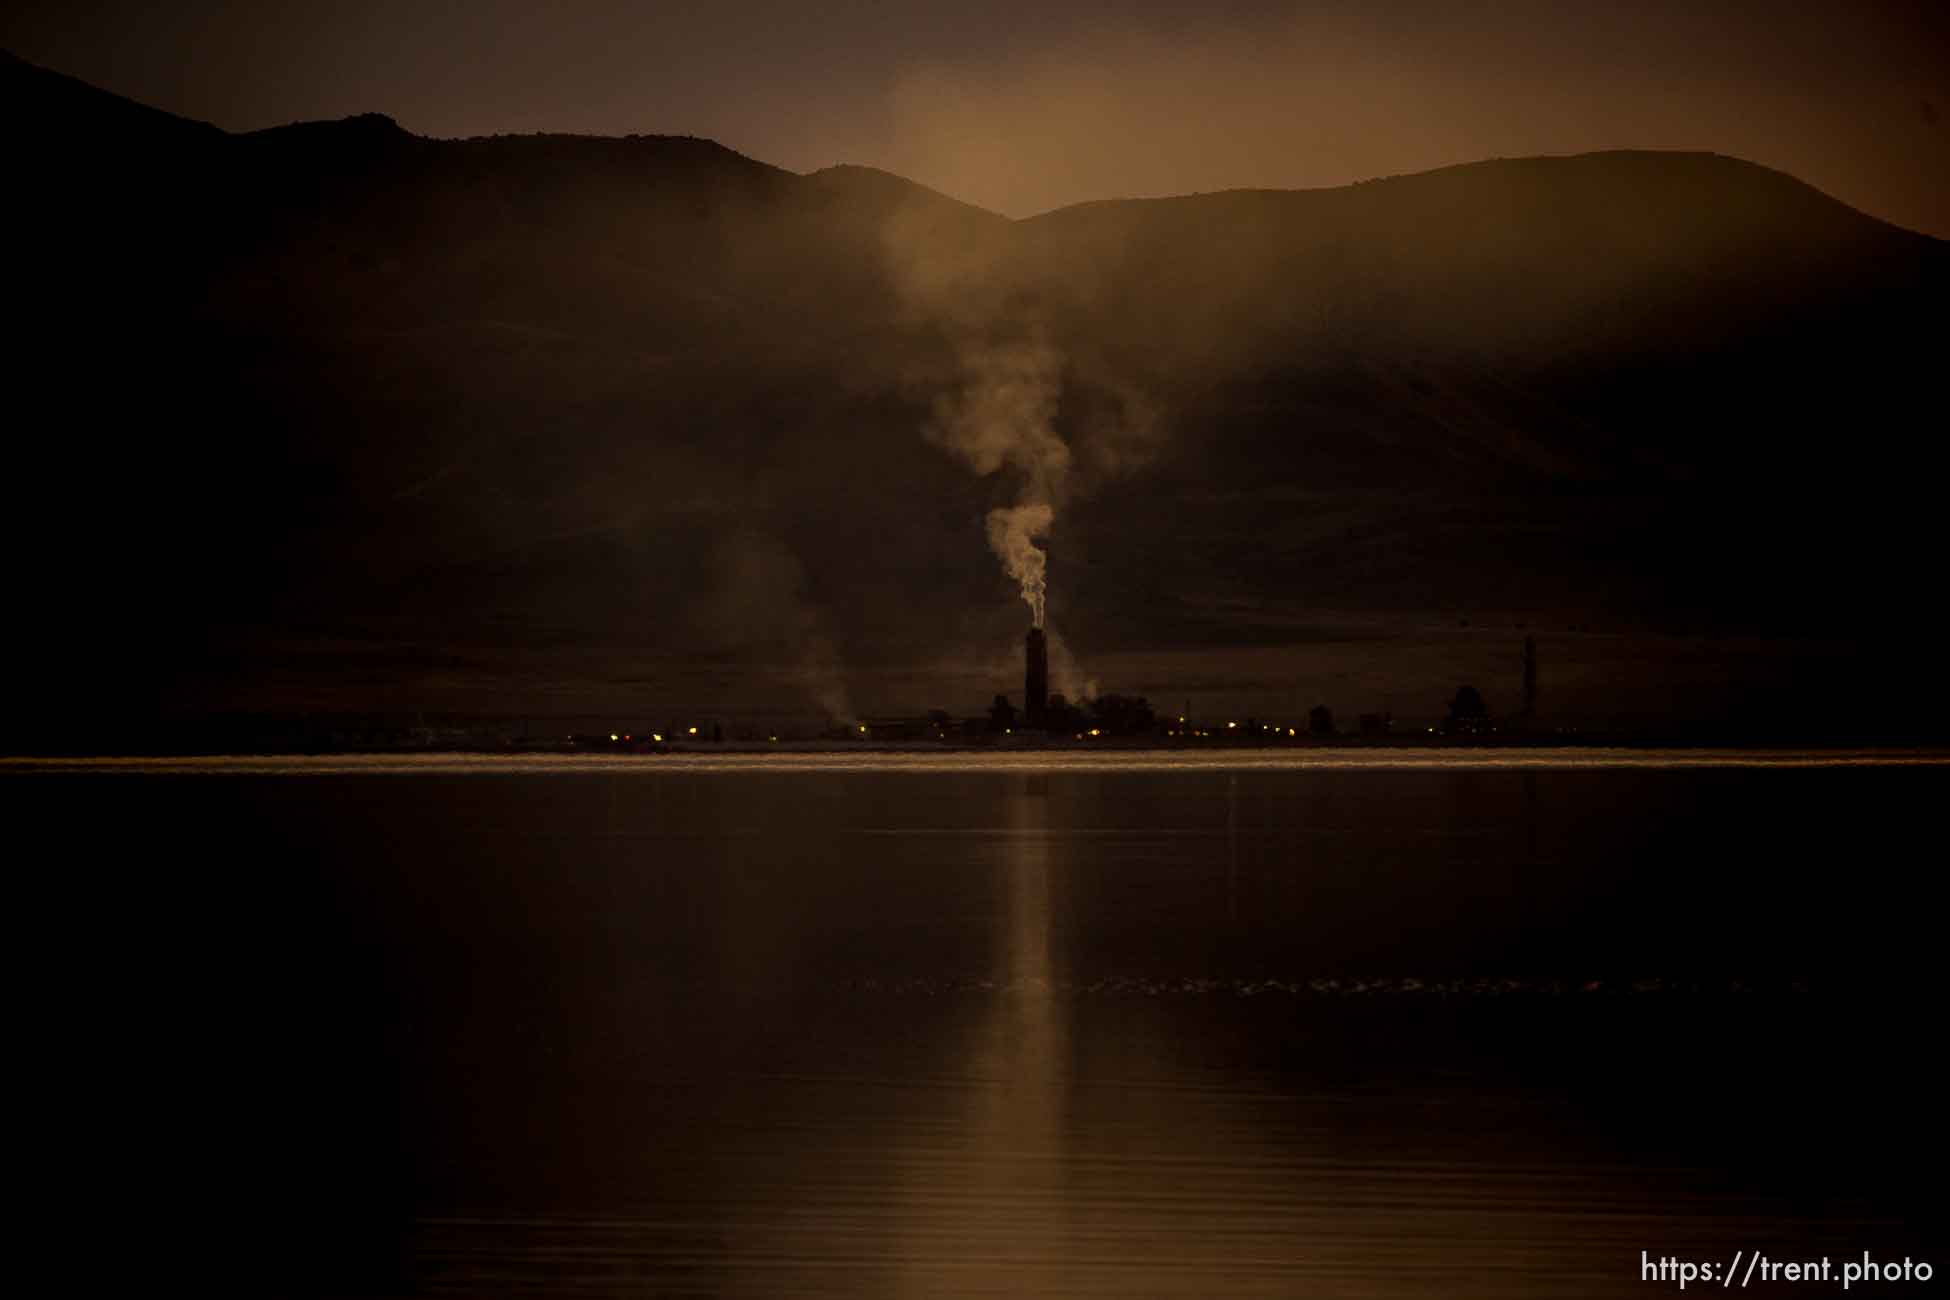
[[1021, 106]]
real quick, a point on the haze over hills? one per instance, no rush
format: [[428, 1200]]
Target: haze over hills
[[336, 417]]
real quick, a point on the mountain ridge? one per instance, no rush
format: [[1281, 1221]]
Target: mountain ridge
[[651, 397], [19, 69]]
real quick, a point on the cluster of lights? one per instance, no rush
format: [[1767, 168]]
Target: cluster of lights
[[1182, 729], [657, 737], [1269, 728]]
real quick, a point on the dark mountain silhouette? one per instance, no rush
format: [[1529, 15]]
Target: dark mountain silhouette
[[333, 415]]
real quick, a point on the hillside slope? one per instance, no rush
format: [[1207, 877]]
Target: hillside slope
[[325, 415]]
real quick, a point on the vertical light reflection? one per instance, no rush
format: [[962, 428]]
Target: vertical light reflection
[[995, 1220], [1232, 847]]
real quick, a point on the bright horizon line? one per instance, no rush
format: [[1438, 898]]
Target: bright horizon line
[[830, 761]]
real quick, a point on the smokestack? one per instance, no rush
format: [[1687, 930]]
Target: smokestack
[[1035, 685]]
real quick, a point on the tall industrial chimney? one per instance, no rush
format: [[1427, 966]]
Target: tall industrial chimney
[[1035, 684]]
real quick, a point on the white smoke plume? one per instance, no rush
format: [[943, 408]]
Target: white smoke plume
[[1004, 416], [1013, 533], [1055, 421]]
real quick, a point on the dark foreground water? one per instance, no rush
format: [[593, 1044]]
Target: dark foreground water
[[642, 1031]]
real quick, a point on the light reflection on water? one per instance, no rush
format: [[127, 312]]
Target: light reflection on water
[[993, 1222], [1226, 1024]]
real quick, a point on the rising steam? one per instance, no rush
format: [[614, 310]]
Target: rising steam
[[1005, 417], [762, 603], [1013, 533], [1053, 419]]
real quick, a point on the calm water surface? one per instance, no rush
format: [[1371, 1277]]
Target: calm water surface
[[645, 1031]]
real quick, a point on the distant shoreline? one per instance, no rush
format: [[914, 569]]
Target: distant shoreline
[[924, 759]]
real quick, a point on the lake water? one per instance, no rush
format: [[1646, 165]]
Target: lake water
[[1246, 1026]]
